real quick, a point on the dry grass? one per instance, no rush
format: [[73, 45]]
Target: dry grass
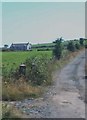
[[19, 90], [0, 110], [66, 59], [86, 69], [9, 111]]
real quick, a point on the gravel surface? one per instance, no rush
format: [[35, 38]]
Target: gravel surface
[[64, 99]]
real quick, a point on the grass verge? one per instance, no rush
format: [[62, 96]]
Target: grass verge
[[9, 112], [19, 90]]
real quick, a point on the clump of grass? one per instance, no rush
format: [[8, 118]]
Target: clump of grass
[[86, 69], [9, 111], [0, 110], [19, 90]]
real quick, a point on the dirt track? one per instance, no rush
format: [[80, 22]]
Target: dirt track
[[65, 99], [69, 90]]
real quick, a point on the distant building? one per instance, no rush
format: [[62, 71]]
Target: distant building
[[20, 46]]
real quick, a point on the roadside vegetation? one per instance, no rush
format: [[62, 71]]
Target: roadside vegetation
[[86, 59], [39, 68], [17, 86], [86, 69], [9, 112], [57, 51]]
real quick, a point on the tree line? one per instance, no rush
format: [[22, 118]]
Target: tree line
[[72, 46]]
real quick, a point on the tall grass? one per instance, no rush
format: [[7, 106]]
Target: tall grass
[[86, 69], [19, 90], [9, 113]]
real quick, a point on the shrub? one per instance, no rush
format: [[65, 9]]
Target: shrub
[[57, 51], [71, 46], [77, 46], [38, 69], [85, 43], [44, 49], [81, 41]]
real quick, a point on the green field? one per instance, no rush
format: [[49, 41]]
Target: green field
[[14, 59], [47, 45]]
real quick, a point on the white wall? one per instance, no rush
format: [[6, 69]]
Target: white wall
[[28, 47]]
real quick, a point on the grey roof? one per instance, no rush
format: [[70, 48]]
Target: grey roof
[[20, 43]]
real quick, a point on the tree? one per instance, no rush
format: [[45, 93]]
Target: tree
[[85, 43], [5, 46], [71, 46], [81, 41], [57, 51]]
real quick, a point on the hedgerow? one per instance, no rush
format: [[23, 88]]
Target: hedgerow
[[37, 70]]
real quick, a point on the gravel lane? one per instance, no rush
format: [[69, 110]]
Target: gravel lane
[[65, 99]]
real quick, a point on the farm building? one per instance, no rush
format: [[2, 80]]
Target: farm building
[[20, 46]]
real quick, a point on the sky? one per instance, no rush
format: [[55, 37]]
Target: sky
[[42, 22]]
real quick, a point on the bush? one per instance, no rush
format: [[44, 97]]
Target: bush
[[77, 46], [85, 43], [81, 41], [43, 49], [38, 69], [71, 46], [57, 51]]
